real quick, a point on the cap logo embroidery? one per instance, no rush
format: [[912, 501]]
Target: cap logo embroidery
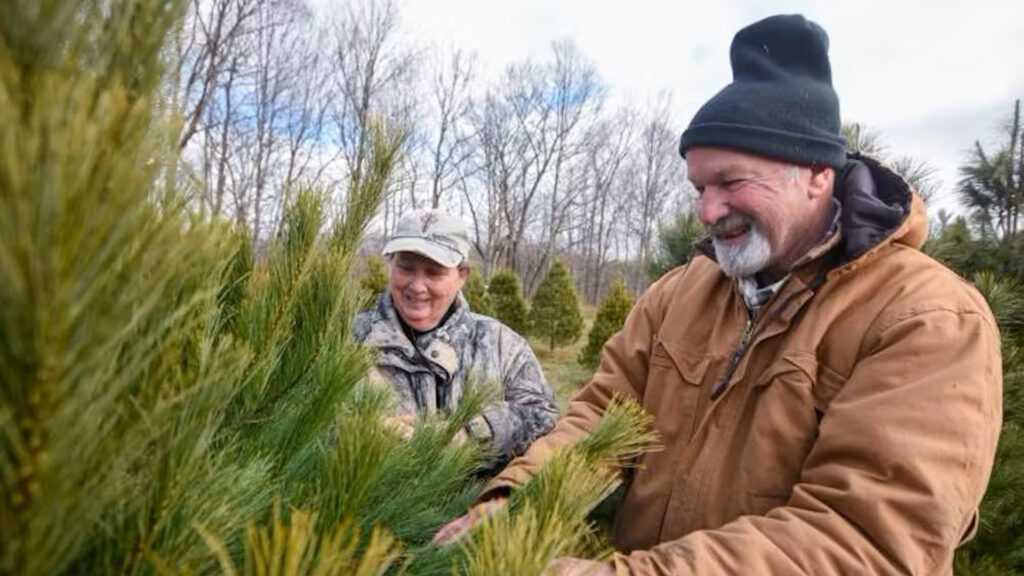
[[426, 220]]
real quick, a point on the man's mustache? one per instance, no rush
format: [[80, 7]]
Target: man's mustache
[[731, 224]]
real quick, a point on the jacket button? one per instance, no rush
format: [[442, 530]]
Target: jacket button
[[433, 353]]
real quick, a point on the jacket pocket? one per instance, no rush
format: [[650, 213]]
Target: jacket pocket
[[782, 426], [672, 395], [674, 384], [828, 385]]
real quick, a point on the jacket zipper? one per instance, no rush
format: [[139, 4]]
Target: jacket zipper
[[748, 332], [734, 360]]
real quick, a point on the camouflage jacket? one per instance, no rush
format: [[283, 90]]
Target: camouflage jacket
[[430, 374]]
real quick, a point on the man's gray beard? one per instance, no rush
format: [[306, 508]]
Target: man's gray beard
[[745, 259]]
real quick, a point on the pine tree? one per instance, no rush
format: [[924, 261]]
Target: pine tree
[[509, 303], [992, 186], [610, 318], [109, 288], [998, 548], [475, 291], [555, 313], [162, 396], [159, 381], [676, 244], [548, 517], [375, 279]]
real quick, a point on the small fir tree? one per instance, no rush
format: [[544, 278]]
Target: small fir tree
[[676, 244], [509, 303], [375, 279], [476, 294], [610, 318], [555, 314]]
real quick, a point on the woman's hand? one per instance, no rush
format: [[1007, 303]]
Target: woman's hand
[[459, 527]]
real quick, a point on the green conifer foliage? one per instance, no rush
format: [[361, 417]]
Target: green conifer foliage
[[475, 291], [555, 313], [162, 395], [509, 303], [998, 548], [547, 518], [150, 383], [297, 548], [237, 275], [103, 329], [610, 318], [675, 244], [375, 279]]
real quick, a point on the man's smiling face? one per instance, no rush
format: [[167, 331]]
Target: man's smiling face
[[762, 214]]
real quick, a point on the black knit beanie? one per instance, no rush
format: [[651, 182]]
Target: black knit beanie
[[780, 103]]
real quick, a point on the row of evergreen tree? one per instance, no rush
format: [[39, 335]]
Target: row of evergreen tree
[[553, 316]]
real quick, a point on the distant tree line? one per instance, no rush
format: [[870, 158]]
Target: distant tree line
[[274, 97]]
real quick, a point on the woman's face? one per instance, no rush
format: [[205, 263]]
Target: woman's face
[[422, 289]]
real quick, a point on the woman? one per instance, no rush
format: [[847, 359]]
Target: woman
[[429, 342]]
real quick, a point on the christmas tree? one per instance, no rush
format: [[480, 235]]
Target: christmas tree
[[555, 312], [375, 279], [169, 404], [610, 318], [159, 392], [475, 291], [509, 303]]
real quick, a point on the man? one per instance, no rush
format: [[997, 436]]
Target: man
[[829, 397], [429, 342]]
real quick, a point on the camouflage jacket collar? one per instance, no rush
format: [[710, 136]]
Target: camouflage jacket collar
[[429, 350]]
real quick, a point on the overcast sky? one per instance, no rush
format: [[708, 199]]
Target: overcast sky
[[930, 76]]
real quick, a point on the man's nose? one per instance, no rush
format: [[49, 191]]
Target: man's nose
[[711, 206]]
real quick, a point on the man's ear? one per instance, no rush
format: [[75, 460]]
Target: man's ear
[[821, 182], [464, 272]]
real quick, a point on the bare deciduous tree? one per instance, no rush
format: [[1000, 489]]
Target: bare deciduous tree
[[578, 97], [207, 44], [372, 76], [657, 173], [607, 151], [451, 103], [272, 97], [262, 114], [530, 131]]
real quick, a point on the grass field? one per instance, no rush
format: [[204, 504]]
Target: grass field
[[561, 367]]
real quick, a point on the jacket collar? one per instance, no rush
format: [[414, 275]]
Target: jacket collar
[[387, 331]]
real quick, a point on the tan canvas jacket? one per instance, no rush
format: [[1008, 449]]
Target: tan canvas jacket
[[855, 433]]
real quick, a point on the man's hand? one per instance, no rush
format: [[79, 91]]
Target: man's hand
[[403, 425], [579, 567], [460, 438], [458, 528]]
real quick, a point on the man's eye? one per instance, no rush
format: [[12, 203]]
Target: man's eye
[[731, 184]]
